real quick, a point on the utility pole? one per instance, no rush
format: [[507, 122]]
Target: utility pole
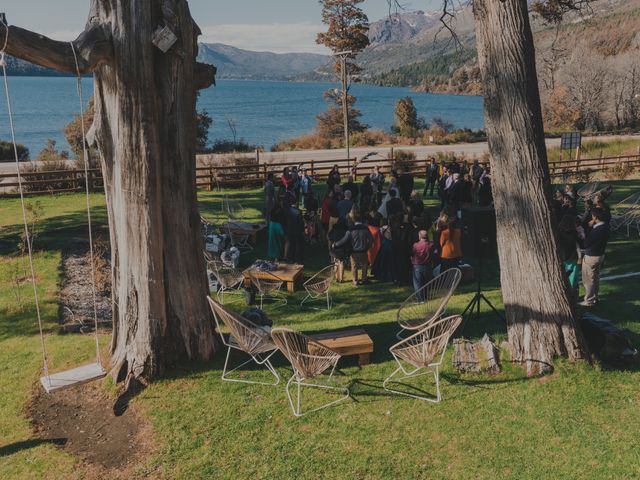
[[345, 104]]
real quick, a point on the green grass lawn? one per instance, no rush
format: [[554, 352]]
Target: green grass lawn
[[579, 422]]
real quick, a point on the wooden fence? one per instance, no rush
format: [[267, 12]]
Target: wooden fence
[[252, 173]]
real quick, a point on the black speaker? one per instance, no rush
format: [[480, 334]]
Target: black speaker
[[479, 232]]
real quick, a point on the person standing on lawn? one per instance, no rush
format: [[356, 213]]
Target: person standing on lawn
[[360, 239], [432, 177], [595, 244], [420, 260]]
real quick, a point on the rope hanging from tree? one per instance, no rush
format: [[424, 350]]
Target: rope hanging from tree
[[27, 236], [93, 371], [85, 155]]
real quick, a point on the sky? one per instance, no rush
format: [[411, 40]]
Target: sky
[[264, 25]]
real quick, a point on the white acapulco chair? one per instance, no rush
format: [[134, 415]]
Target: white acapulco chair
[[309, 360], [269, 287], [241, 241], [588, 191], [230, 280], [626, 214], [422, 353], [318, 286], [429, 303], [246, 337]]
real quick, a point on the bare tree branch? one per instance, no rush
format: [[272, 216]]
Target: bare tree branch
[[93, 48]]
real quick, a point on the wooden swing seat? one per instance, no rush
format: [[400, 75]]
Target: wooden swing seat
[[70, 378]]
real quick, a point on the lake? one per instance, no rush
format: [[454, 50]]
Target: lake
[[262, 112]]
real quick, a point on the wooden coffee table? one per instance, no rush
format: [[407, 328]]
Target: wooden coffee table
[[291, 273], [347, 343]]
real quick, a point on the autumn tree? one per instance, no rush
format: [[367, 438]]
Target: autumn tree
[[346, 35], [330, 122], [406, 117], [142, 55]]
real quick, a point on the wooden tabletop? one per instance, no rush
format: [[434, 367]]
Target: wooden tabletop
[[287, 272], [346, 342]]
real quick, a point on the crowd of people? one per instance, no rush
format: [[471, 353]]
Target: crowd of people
[[381, 227], [378, 227], [582, 240]]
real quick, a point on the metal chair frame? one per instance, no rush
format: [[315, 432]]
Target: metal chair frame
[[419, 351], [318, 286], [437, 293], [627, 214], [245, 337], [309, 359], [241, 242], [269, 288], [230, 279]]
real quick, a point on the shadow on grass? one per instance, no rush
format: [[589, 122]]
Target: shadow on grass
[[18, 447]]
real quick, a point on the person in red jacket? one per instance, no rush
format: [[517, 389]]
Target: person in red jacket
[[376, 244]]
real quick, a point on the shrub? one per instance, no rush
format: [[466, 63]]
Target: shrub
[[7, 154], [230, 146], [621, 171]]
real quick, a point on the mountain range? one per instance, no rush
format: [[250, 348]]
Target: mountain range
[[406, 48]]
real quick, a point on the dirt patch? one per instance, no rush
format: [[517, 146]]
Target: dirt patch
[[81, 421], [76, 294]]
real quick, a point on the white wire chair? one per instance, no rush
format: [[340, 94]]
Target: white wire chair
[[241, 241], [422, 353], [232, 209], [309, 360], [229, 279], [318, 286], [626, 214], [269, 287], [588, 191], [429, 303], [246, 337]]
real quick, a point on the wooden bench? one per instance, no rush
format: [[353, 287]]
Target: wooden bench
[[347, 343], [291, 273]]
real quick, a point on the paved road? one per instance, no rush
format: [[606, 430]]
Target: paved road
[[422, 151]]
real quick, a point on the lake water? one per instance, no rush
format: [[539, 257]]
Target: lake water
[[263, 112]]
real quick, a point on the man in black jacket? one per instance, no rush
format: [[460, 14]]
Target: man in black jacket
[[361, 240], [405, 186], [394, 204], [294, 232], [594, 248], [433, 175]]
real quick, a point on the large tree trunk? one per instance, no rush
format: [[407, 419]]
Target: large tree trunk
[[540, 317], [144, 128]]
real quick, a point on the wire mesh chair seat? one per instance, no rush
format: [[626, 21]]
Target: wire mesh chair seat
[[429, 303], [269, 287], [232, 209], [626, 214], [588, 191], [318, 286], [309, 359], [230, 279], [246, 337], [241, 241], [420, 354]]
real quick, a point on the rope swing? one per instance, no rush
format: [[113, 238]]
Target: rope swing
[[93, 371]]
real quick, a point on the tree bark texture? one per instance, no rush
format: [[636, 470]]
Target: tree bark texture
[[540, 318], [145, 130]]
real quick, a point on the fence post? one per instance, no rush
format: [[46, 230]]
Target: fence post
[[313, 166], [264, 171], [258, 156], [211, 186]]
